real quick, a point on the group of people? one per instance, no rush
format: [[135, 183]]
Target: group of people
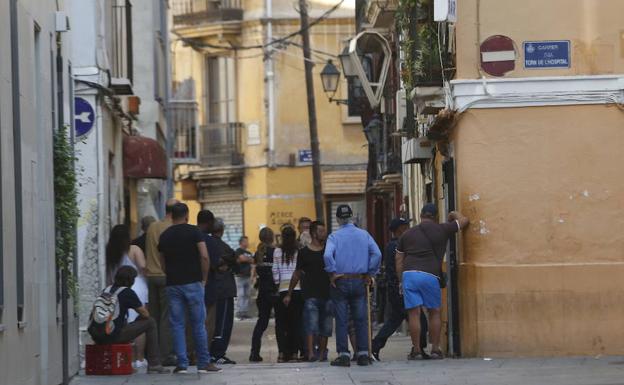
[[175, 288]]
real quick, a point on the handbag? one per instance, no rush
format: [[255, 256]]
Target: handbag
[[443, 278]]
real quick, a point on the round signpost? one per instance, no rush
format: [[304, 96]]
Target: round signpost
[[84, 116], [498, 55]]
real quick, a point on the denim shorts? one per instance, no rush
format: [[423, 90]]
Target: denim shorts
[[317, 317], [421, 289]]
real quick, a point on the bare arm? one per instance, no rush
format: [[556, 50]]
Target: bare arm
[[204, 259], [294, 280], [162, 262], [137, 256], [461, 220], [399, 257], [143, 312]]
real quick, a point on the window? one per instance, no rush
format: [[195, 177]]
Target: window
[[219, 90]]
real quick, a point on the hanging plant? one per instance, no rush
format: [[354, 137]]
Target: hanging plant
[[66, 210]]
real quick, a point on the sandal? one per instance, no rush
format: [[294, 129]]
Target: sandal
[[437, 355], [417, 355]]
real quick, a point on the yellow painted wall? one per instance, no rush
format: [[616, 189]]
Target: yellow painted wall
[[594, 28], [542, 258]]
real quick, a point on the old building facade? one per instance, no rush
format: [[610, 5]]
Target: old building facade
[[243, 143]]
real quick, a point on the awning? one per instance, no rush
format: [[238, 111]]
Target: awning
[[143, 158]]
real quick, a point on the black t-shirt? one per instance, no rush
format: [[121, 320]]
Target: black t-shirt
[[244, 268], [419, 242], [315, 281], [264, 270], [182, 260]]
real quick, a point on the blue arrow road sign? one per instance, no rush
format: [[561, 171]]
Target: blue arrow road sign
[[84, 116]]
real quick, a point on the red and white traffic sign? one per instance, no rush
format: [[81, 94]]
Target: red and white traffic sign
[[498, 55]]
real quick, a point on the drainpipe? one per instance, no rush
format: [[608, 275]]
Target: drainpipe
[[164, 33], [270, 80]]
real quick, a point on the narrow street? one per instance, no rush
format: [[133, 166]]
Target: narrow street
[[394, 370]]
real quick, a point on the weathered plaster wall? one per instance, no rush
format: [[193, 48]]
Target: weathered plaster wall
[[543, 256]]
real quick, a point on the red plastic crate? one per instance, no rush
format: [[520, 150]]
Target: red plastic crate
[[108, 359]]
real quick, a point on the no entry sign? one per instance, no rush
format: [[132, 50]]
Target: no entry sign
[[498, 55]]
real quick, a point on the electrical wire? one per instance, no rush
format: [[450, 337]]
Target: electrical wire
[[283, 39]]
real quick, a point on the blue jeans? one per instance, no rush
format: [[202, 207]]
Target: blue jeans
[[317, 317], [182, 299], [349, 296], [243, 292]]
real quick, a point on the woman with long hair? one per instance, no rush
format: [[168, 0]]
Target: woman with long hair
[[288, 317], [267, 291], [119, 252]]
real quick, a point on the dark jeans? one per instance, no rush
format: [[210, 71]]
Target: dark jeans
[[158, 307], [288, 324], [266, 301], [134, 329], [349, 298], [223, 327], [396, 318]]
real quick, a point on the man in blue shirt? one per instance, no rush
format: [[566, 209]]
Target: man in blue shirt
[[352, 258]]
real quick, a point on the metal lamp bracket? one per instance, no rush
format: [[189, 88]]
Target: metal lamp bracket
[[375, 95]]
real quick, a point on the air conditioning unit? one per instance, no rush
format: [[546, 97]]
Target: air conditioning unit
[[401, 108], [417, 150]]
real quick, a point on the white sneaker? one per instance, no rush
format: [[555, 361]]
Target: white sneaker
[[139, 364]]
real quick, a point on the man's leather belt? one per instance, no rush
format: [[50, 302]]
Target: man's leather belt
[[353, 276]]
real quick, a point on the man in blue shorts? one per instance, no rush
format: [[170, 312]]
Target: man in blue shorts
[[419, 257]]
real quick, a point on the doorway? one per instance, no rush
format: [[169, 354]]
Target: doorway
[[452, 263]]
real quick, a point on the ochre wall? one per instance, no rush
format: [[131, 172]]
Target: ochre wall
[[594, 28], [542, 261]]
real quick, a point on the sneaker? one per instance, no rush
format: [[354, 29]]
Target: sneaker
[[341, 360], [157, 370], [179, 370], [138, 364], [255, 357], [210, 368], [375, 354], [224, 361], [363, 360]]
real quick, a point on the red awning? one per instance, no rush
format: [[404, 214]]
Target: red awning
[[143, 158]]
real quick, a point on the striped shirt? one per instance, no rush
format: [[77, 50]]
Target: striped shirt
[[282, 271]]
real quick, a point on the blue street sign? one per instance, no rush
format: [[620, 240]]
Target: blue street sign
[[84, 116], [547, 54], [305, 156]]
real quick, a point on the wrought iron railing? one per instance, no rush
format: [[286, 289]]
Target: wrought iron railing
[[202, 11], [222, 144]]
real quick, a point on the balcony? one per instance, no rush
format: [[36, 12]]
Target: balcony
[[222, 145], [184, 124], [188, 13], [380, 13]]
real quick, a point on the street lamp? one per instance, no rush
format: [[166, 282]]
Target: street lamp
[[330, 77], [348, 69]]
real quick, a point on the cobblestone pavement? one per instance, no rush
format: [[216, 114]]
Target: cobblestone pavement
[[394, 370]]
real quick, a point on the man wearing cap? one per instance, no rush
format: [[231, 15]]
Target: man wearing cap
[[419, 257], [352, 258], [395, 299]]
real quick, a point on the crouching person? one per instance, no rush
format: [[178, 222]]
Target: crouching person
[[108, 320]]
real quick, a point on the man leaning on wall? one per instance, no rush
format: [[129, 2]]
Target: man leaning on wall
[[156, 280]]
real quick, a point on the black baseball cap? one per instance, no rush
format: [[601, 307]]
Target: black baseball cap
[[344, 212], [398, 222], [429, 209]]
